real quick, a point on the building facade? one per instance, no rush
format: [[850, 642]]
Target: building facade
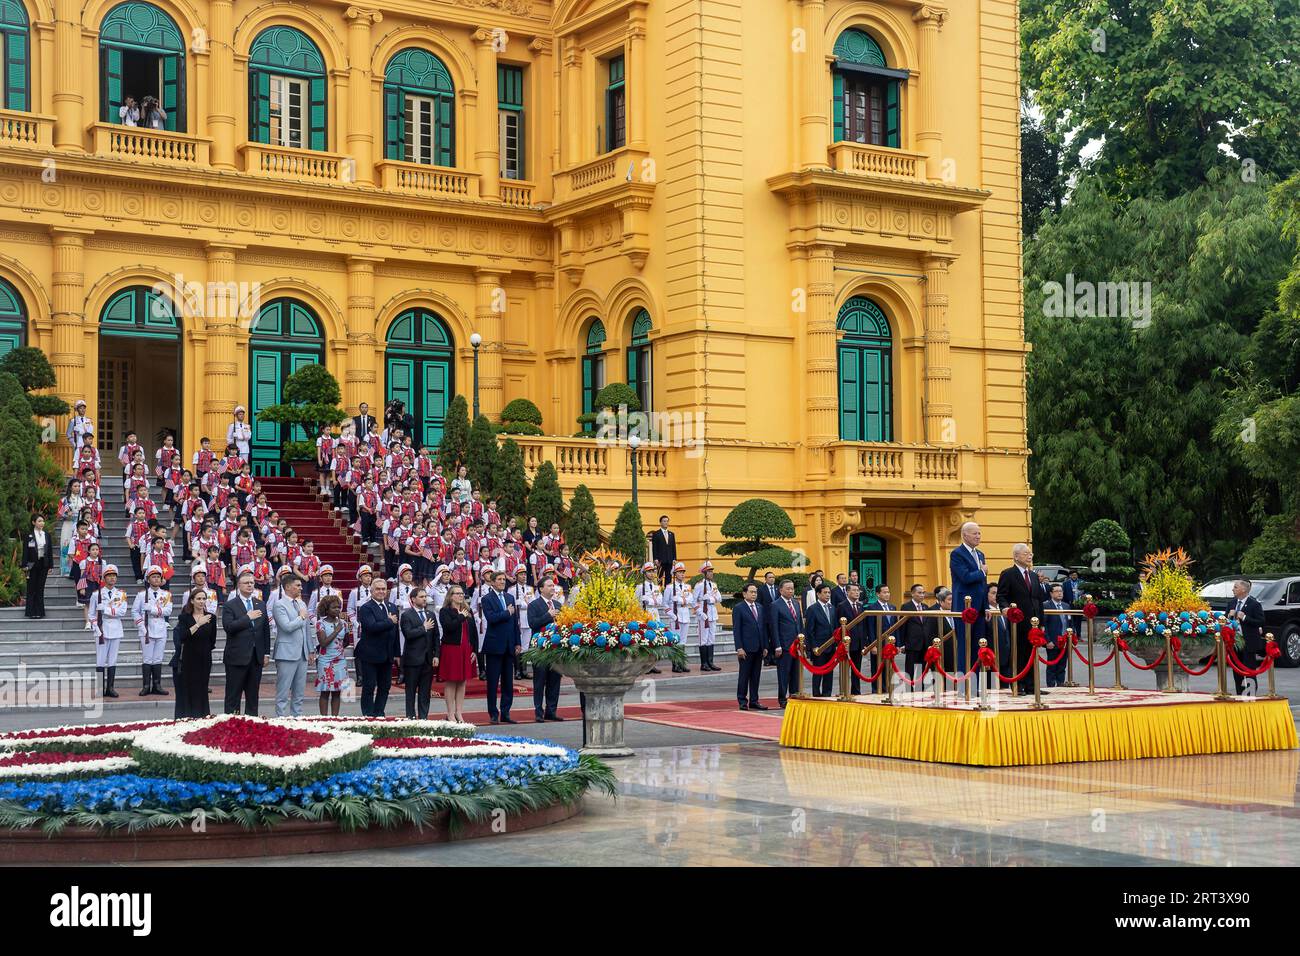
[[792, 225]]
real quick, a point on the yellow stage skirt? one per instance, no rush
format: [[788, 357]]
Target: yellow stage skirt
[[1020, 738]]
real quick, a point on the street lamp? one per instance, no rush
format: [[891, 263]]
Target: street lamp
[[475, 341], [633, 443]]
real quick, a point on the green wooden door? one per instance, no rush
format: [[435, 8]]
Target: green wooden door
[[867, 557], [436, 395], [113, 95], [266, 382]]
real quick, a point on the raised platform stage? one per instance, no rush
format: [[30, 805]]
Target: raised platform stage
[[1075, 726]]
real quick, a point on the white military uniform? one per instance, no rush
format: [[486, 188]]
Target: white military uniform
[[707, 598], [324, 591], [152, 611], [523, 595], [108, 609], [360, 595], [402, 595], [650, 595], [679, 601]]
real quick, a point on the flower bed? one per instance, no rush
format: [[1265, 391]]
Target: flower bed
[[380, 727], [461, 747], [235, 748], [61, 765], [91, 738]]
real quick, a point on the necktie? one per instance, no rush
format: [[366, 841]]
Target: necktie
[[248, 604], [790, 605], [753, 608], [1027, 584]]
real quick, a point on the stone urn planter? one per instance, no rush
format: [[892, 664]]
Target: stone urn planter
[[1192, 651], [605, 682]]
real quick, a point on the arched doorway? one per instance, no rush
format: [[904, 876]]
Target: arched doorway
[[867, 557], [285, 337], [142, 53], [866, 372], [418, 370], [140, 359]]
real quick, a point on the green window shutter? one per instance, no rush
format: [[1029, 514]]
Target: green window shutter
[[433, 418], [259, 110], [872, 395], [837, 107], [444, 127], [171, 90], [393, 120], [112, 84], [319, 140], [15, 64], [891, 114], [850, 395]]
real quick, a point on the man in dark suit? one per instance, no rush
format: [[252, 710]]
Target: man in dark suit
[[1054, 626], [1247, 616], [820, 623], [969, 572], [939, 626], [419, 653], [752, 640], [1072, 589], [784, 625], [878, 625], [363, 423], [840, 593], [663, 550], [915, 633], [1019, 585], [546, 682], [38, 558], [768, 591], [500, 645], [378, 648], [248, 645], [849, 609]]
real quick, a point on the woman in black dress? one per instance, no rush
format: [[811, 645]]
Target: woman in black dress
[[459, 647], [38, 558], [196, 637]]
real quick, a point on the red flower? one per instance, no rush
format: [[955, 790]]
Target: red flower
[[429, 743], [241, 736], [1090, 610], [932, 655], [1037, 637], [987, 657], [889, 651], [1014, 615], [33, 757], [970, 615], [94, 730]]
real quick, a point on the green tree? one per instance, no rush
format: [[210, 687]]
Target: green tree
[[454, 445], [749, 528], [1042, 179], [310, 400], [628, 536], [34, 372], [545, 501], [521, 417], [509, 483], [1106, 549], [1276, 550], [582, 526], [1168, 89], [19, 457], [481, 455]]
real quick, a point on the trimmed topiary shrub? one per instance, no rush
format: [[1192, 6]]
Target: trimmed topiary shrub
[[747, 528], [545, 500], [628, 536]]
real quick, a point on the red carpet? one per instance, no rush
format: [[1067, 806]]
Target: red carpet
[[297, 502], [721, 716]]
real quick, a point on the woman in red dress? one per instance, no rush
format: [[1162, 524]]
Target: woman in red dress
[[456, 663]]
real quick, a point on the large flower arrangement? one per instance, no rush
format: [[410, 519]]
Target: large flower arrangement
[[605, 621], [1170, 605], [254, 772]]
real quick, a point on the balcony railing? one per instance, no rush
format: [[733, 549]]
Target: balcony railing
[[877, 161], [620, 166], [422, 180], [26, 129], [516, 193], [893, 463], [280, 162], [600, 465], [149, 145]]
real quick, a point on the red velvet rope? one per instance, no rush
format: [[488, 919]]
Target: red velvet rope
[[905, 680], [872, 679], [1101, 663], [1123, 646], [956, 680], [1179, 661], [1020, 676], [1271, 652], [826, 668], [1060, 655]]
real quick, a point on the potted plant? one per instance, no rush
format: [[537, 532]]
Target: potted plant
[[310, 400], [605, 640], [1169, 607]]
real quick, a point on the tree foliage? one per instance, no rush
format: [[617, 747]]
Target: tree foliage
[[749, 527], [509, 483], [34, 372], [311, 399], [521, 417], [481, 455], [1106, 549], [545, 501], [582, 526], [628, 536], [19, 456], [454, 445]]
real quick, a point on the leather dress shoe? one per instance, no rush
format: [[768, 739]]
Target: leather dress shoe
[[758, 707]]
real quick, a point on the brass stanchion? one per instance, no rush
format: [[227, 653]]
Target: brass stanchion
[[1169, 664], [1038, 696], [1119, 684], [1272, 666], [983, 687], [887, 671], [1092, 668], [939, 689], [798, 671], [845, 687], [1069, 658], [1015, 658], [965, 633], [1221, 665]]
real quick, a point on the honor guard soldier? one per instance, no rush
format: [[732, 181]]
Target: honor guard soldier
[[108, 610], [679, 602], [707, 599], [152, 611], [650, 595]]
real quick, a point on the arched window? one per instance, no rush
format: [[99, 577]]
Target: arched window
[[638, 358], [867, 557], [15, 57], [593, 368], [865, 106], [140, 312], [142, 55], [13, 319], [419, 109], [866, 372], [418, 371], [286, 79], [285, 336]]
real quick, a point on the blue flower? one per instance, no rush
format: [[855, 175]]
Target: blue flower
[[603, 626], [1162, 616], [601, 641], [625, 639], [575, 640]]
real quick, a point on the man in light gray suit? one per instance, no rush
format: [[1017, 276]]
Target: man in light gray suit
[[293, 649]]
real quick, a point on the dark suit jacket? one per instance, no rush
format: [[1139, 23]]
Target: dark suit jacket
[[378, 640], [1054, 624], [818, 631], [968, 579], [765, 597], [782, 629], [858, 634], [877, 625], [450, 623], [502, 635], [370, 420], [421, 645], [1251, 624], [1013, 590], [539, 615], [663, 552], [915, 631], [30, 556], [247, 640], [839, 595], [747, 628]]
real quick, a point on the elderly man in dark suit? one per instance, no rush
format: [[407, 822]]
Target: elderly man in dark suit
[[969, 571], [1247, 615], [546, 682], [784, 625], [752, 641], [500, 645], [248, 645], [419, 652], [1019, 585], [378, 648]]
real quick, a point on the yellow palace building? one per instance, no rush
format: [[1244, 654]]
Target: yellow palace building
[[791, 225]]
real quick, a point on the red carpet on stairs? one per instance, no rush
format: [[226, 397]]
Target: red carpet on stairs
[[297, 502]]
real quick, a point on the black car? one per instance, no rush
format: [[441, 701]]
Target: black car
[[1280, 596]]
